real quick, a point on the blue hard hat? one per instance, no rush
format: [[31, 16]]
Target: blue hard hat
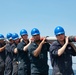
[[59, 30], [35, 31], [1, 37], [23, 32], [9, 36], [15, 36]]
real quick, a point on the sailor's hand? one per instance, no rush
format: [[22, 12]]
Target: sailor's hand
[[66, 40], [17, 62], [43, 41], [30, 40]]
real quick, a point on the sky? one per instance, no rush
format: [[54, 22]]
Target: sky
[[42, 14]]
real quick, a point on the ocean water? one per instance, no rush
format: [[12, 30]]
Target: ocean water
[[50, 72]]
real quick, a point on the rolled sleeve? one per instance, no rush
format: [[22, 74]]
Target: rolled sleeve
[[20, 47], [54, 50], [13, 47]]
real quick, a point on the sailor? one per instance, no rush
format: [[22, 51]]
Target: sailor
[[2, 54], [23, 59], [61, 52], [38, 54], [16, 40], [9, 55]]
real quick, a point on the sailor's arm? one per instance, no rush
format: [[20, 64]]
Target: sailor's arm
[[2, 48], [62, 49], [26, 47], [38, 49]]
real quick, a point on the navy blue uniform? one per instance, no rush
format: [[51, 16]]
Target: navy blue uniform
[[24, 63], [15, 60], [62, 65], [2, 60], [39, 64], [8, 60]]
